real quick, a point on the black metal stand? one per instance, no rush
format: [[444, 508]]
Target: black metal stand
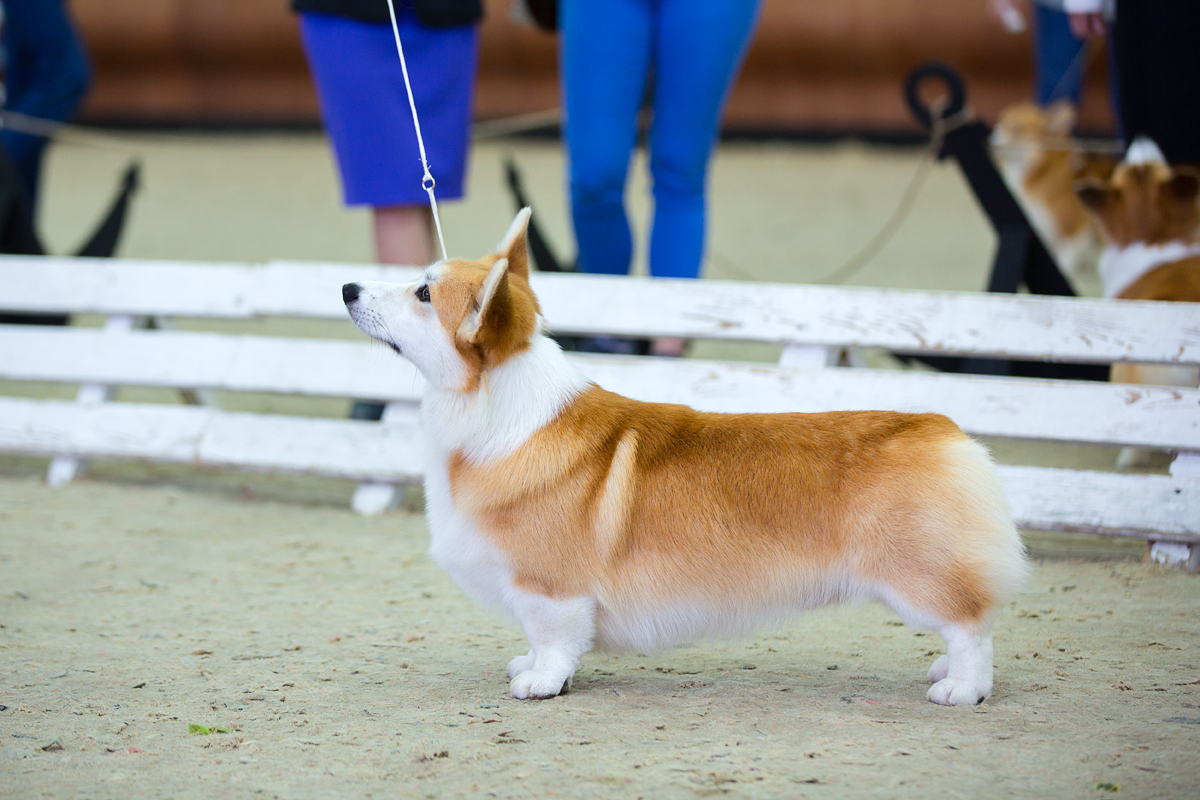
[[1021, 258], [19, 237]]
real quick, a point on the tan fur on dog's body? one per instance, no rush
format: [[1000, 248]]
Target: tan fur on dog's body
[[599, 520]]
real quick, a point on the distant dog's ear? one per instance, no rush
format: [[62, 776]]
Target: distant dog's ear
[[493, 301], [1178, 197], [514, 246], [1095, 195], [1060, 117], [1184, 185]]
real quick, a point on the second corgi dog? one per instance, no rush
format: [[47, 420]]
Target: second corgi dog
[[1040, 164], [1151, 221], [604, 522]]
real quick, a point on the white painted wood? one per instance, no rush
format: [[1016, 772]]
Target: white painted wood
[[1154, 506], [811, 322], [208, 437], [1158, 507], [1116, 414], [64, 469], [126, 286], [809, 356], [1186, 465], [372, 498], [945, 323], [208, 360]]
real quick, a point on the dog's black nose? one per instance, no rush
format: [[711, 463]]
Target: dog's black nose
[[350, 292]]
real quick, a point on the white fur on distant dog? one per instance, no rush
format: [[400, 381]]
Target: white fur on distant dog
[[557, 502]]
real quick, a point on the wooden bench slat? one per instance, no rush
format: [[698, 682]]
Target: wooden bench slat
[[1158, 507], [207, 437], [1015, 407], [934, 323], [1154, 506]]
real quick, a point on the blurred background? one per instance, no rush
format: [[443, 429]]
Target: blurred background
[[815, 67], [215, 98]]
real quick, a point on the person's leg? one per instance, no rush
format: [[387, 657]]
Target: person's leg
[[605, 54], [1159, 75], [1057, 60], [404, 235], [48, 75], [698, 50]]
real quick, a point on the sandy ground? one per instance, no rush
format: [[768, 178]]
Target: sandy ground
[[345, 664]]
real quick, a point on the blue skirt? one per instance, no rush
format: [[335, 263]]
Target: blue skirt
[[365, 107]]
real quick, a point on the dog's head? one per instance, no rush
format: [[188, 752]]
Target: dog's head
[[461, 318], [1145, 200], [1024, 129]]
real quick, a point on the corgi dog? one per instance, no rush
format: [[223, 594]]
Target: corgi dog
[[598, 521], [1041, 163], [1150, 217]]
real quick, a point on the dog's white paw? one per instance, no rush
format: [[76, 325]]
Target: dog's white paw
[[520, 664], [538, 684], [957, 692], [939, 670]]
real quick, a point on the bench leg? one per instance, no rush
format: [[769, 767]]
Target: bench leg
[[64, 469], [1174, 554], [372, 498]]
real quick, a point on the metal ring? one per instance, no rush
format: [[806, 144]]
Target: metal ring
[[944, 74], [427, 183]]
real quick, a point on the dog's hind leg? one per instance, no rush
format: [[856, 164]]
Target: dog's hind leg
[[964, 675], [559, 632], [967, 665]]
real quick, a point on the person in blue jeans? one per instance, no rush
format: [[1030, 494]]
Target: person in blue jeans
[[46, 76], [684, 54]]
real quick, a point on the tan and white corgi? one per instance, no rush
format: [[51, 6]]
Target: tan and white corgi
[[604, 522], [1041, 163], [1150, 217]]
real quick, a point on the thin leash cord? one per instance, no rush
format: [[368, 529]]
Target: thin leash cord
[[427, 181], [940, 125]]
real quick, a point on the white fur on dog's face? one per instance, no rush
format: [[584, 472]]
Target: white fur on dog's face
[[393, 314]]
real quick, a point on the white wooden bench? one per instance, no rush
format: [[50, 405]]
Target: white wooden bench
[[811, 322]]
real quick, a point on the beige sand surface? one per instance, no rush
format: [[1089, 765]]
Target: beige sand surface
[[345, 664]]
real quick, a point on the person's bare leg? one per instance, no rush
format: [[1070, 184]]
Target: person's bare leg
[[404, 235]]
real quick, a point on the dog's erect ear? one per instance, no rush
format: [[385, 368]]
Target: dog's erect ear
[[1060, 117], [1184, 186], [493, 298], [1095, 195], [514, 246]]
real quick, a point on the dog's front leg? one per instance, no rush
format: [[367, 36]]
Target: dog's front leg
[[559, 632]]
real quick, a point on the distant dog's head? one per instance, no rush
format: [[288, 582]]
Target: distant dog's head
[[461, 318], [1145, 200], [1024, 129]]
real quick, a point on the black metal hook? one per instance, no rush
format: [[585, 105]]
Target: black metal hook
[[948, 76]]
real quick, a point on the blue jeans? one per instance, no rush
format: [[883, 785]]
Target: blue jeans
[[609, 49], [1057, 62], [48, 74]]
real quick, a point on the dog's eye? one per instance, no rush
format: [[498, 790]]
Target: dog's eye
[[423, 293]]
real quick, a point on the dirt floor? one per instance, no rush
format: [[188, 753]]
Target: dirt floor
[[343, 663]]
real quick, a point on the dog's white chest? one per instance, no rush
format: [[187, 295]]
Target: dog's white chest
[[458, 547]]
